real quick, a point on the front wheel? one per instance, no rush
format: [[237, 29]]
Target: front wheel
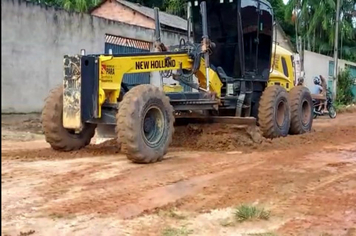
[[332, 111], [145, 124], [302, 110], [56, 135], [274, 112]]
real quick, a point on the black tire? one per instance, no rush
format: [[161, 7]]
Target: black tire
[[274, 112], [140, 105], [302, 109], [332, 112], [56, 135]]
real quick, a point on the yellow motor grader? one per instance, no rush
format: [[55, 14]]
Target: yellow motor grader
[[230, 52]]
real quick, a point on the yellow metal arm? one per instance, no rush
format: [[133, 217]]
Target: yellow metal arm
[[113, 68]]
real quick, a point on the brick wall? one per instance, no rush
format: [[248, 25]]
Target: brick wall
[[115, 11]]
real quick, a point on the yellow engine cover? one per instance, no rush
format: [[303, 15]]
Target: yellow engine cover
[[172, 88]]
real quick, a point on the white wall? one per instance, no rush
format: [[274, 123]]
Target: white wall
[[34, 39], [281, 39], [317, 64]]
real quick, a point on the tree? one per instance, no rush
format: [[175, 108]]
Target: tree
[[72, 5], [316, 25]]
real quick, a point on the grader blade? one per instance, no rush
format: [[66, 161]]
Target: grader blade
[[104, 133], [201, 119]]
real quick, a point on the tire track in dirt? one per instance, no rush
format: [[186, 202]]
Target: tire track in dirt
[[198, 181], [131, 192]]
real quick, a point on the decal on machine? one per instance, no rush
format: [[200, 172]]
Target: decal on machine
[[157, 64], [107, 69], [107, 72]]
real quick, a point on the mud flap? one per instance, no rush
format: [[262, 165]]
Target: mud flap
[[72, 92]]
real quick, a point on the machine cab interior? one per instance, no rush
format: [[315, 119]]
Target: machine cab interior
[[242, 31]]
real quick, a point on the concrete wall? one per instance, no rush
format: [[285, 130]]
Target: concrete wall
[[282, 40], [317, 64], [115, 11], [35, 38]]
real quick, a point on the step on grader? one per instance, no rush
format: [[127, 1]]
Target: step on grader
[[230, 51]]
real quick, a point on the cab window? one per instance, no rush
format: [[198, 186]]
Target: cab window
[[285, 68]]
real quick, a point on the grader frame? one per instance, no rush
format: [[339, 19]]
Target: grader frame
[[232, 87]]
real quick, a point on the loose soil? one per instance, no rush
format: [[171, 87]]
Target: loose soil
[[308, 182]]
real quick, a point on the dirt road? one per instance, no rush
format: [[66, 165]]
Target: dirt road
[[307, 182]]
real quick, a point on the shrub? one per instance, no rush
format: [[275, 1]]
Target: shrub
[[344, 94]]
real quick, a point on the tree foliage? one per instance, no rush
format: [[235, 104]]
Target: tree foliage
[[316, 25], [344, 88], [315, 20], [71, 5]]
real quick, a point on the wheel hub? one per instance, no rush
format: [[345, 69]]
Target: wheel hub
[[280, 114], [148, 124], [306, 112], [153, 126]]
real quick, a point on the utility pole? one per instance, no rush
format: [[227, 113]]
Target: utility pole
[[296, 25], [336, 49]]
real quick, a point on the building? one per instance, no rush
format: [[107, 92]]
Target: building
[[317, 64], [282, 39], [136, 14]]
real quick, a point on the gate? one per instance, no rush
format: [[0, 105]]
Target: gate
[[121, 45]]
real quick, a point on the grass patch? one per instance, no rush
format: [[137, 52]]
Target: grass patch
[[227, 222], [183, 231], [27, 233], [61, 216], [247, 212], [263, 234], [172, 213], [345, 108]]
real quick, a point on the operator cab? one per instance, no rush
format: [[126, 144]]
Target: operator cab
[[243, 33]]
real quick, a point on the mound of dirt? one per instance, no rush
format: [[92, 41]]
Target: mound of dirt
[[215, 137]]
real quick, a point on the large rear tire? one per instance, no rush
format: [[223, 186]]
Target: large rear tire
[[302, 110], [56, 135], [145, 124], [274, 112]]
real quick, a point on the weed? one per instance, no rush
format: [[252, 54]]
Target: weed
[[344, 88], [263, 234], [172, 213], [183, 231], [246, 212], [325, 234], [61, 216], [226, 222], [27, 233]]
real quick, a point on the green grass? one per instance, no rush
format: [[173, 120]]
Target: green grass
[[227, 222], [183, 231], [263, 234], [27, 233], [172, 213], [247, 212]]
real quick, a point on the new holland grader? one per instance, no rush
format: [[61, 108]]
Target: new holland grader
[[239, 80]]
